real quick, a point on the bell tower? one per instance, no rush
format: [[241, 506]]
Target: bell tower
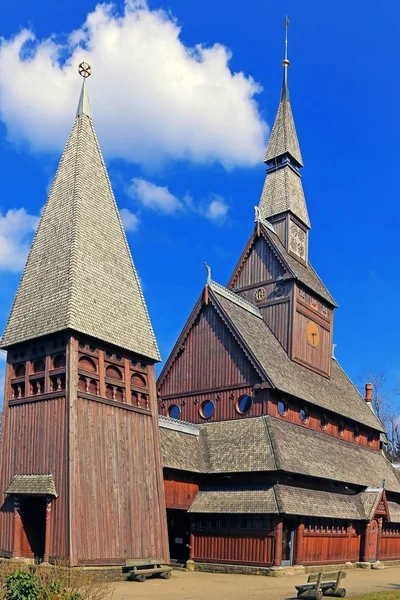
[[81, 475]]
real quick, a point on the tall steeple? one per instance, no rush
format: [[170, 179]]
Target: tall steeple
[[283, 192], [79, 274]]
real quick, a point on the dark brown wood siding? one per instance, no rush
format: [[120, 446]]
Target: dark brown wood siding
[[261, 264], [277, 317], [225, 403], [210, 358]]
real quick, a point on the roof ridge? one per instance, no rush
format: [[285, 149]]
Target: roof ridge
[[234, 297]]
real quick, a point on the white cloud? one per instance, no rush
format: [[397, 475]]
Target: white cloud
[[16, 231], [159, 198], [153, 98], [129, 219], [217, 209], [153, 196]]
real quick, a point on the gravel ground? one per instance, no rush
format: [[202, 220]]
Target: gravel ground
[[185, 585]]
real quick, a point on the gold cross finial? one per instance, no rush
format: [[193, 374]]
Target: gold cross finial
[[85, 70]]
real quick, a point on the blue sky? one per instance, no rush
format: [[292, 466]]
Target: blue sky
[[182, 101]]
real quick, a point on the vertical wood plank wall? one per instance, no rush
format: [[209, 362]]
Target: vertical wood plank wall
[[38, 434], [233, 547], [330, 547], [260, 264], [210, 358], [116, 512]]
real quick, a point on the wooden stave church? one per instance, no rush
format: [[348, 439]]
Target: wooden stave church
[[81, 414], [271, 456]]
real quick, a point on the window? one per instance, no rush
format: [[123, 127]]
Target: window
[[370, 438], [82, 344], [118, 357], [323, 421], [19, 370], [59, 361], [242, 524], [340, 428], [223, 523], [207, 409], [92, 348], [304, 415], [174, 411], [264, 522], [244, 404], [38, 366], [282, 408], [356, 433]]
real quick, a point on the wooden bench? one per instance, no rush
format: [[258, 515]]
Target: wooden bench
[[142, 569], [322, 584]]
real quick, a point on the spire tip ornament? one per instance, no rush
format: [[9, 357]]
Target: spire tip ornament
[[84, 70]]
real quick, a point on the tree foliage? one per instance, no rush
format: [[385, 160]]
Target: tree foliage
[[384, 405]]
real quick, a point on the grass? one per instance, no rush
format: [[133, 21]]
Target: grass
[[75, 580], [392, 595]]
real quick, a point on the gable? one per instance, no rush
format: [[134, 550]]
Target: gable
[[258, 263], [206, 356]]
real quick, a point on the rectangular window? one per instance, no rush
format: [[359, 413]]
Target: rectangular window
[[223, 522], [264, 522], [243, 523]]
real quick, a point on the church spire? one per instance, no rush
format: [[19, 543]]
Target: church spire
[[79, 274], [285, 63], [283, 191]]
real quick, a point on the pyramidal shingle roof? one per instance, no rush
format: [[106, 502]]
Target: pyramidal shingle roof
[[283, 138], [79, 273], [283, 190]]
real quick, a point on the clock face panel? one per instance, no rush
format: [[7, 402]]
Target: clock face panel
[[312, 334]]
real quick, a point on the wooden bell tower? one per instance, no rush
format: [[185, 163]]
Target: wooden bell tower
[[81, 475]]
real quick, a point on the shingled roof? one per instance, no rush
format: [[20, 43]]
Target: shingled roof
[[283, 138], [79, 274], [303, 273], [283, 191], [32, 485], [274, 444], [337, 394], [283, 499]]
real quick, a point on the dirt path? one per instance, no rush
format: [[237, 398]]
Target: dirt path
[[217, 586]]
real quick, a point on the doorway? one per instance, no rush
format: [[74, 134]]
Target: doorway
[[33, 534], [373, 541], [287, 544], [178, 535]]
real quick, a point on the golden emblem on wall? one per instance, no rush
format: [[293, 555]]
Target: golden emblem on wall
[[259, 295], [312, 334]]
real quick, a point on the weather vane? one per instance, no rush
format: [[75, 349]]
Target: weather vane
[[85, 70]]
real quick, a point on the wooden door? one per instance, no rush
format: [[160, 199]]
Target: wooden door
[[373, 541]]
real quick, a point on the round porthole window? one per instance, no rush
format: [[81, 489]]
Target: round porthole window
[[282, 408], [244, 404], [304, 415], [340, 428], [174, 411], [207, 409], [324, 422]]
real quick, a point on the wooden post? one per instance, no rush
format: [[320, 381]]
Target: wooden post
[[299, 544], [102, 382], [47, 531], [277, 562], [365, 544], [17, 551], [379, 537], [191, 543], [127, 377]]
